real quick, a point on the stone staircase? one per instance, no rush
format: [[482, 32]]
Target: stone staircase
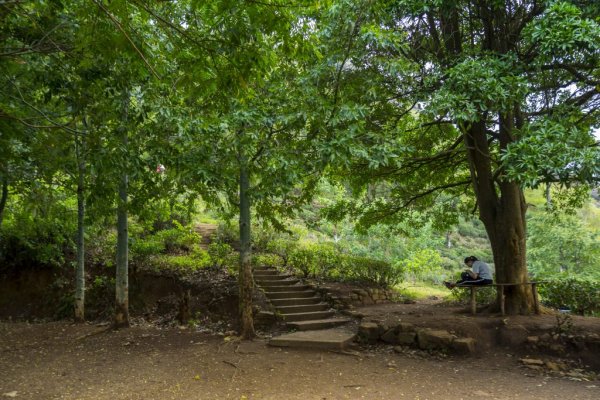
[[302, 310]]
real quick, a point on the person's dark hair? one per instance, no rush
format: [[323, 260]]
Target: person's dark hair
[[470, 258]]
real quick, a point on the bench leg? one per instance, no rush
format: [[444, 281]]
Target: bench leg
[[536, 301], [501, 298], [473, 301]]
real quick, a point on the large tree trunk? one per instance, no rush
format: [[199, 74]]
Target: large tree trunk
[[245, 279], [80, 273], [502, 210]]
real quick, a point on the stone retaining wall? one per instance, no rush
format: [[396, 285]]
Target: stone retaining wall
[[356, 297], [405, 334]]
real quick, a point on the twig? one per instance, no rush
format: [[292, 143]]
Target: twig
[[230, 363], [118, 24]]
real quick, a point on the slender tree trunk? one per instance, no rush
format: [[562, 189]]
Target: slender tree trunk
[[80, 273], [122, 272], [3, 197], [245, 279]]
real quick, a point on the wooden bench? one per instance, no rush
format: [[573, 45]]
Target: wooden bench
[[500, 288]]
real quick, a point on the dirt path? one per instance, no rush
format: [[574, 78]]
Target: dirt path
[[64, 361]]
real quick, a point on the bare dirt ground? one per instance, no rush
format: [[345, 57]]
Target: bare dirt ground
[[64, 361]]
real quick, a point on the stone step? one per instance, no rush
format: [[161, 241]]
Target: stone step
[[302, 308], [265, 272], [296, 301], [307, 316], [276, 283], [327, 339], [263, 268], [287, 288], [317, 324], [290, 294], [272, 277]]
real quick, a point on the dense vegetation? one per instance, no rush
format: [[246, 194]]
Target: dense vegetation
[[372, 130]]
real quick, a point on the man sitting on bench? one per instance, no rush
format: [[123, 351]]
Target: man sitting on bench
[[478, 275]]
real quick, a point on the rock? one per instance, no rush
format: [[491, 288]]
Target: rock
[[464, 345], [406, 327], [429, 340], [368, 332], [390, 336], [406, 338], [531, 361], [545, 337], [513, 335], [552, 366], [10, 394], [557, 348], [533, 339]]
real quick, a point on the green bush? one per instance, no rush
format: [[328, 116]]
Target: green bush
[[483, 295], [199, 259], [582, 296], [371, 271], [37, 235], [222, 255], [424, 265], [317, 260], [267, 260], [283, 248]]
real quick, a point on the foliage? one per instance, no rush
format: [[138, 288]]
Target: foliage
[[424, 265], [314, 259], [562, 246], [283, 248], [38, 230], [582, 296], [222, 255], [371, 271], [186, 263], [267, 260]]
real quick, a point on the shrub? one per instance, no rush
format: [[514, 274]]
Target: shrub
[[371, 271], [37, 235], [199, 259], [425, 264], [222, 255], [283, 248], [582, 296], [483, 295], [317, 260], [267, 260]]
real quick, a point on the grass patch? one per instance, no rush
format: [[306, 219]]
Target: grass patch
[[423, 290]]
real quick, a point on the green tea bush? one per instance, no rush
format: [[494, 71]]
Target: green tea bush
[[283, 248], [222, 255], [267, 260], [198, 259], [581, 296], [317, 260], [371, 271]]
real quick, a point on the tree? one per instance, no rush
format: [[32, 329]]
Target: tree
[[239, 75], [486, 95]]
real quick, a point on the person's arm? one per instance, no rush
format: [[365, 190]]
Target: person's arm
[[473, 275]]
